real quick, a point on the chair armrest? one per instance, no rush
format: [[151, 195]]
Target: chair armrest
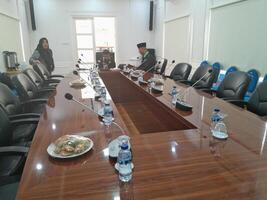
[[49, 81], [239, 103], [201, 88], [52, 85], [56, 76], [209, 91], [18, 122], [23, 116], [49, 87], [46, 90], [187, 82], [35, 101], [165, 76], [230, 99], [7, 150]]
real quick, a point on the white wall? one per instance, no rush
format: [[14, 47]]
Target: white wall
[[193, 11], [159, 26], [9, 8], [238, 35], [54, 21], [23, 14], [10, 30], [232, 32]]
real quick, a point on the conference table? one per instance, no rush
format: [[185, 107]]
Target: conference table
[[174, 153]]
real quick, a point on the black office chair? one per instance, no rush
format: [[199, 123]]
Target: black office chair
[[163, 66], [207, 80], [233, 86], [37, 80], [12, 153], [45, 74], [257, 102], [181, 72], [120, 66], [15, 109], [4, 78], [28, 90]]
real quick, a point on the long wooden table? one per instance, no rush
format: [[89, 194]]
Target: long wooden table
[[175, 156]]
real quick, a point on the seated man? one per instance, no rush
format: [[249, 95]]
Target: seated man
[[148, 60]]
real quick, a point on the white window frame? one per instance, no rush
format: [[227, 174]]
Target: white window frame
[[89, 34]]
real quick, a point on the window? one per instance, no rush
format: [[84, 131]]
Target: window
[[93, 35], [105, 33], [85, 39]]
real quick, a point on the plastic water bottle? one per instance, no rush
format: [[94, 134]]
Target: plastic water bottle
[[125, 163], [140, 78], [103, 93], [215, 118], [174, 95], [107, 118]]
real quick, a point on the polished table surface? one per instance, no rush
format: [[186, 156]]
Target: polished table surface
[[169, 164]]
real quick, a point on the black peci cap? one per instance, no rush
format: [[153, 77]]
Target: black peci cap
[[140, 45]]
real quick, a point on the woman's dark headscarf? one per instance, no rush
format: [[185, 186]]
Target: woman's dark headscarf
[[46, 55]]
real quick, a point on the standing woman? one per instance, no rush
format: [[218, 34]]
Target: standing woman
[[42, 54]]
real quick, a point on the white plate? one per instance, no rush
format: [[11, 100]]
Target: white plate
[[117, 166], [51, 149], [114, 146], [158, 89], [219, 135], [77, 83]]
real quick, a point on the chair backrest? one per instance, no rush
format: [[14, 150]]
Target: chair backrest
[[209, 79], [25, 87], [265, 77], [181, 71], [231, 69], [204, 62], [9, 101], [120, 66], [234, 85], [258, 100], [5, 128], [163, 66], [34, 76], [254, 78], [4, 78], [42, 71], [216, 65]]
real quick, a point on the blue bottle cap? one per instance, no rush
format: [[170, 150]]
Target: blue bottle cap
[[216, 109], [124, 146]]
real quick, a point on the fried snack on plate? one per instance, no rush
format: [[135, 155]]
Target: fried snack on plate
[[68, 145]]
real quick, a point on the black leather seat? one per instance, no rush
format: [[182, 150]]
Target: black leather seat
[[37, 80], [8, 187], [12, 153], [181, 72], [233, 86], [14, 108], [28, 90], [207, 80], [45, 74], [257, 102]]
